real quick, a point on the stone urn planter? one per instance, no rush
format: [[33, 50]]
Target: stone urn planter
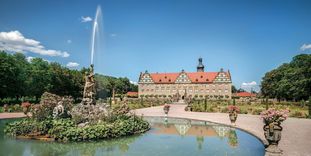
[[25, 110], [233, 113], [273, 133], [233, 116], [272, 119], [26, 107], [166, 109], [5, 108]]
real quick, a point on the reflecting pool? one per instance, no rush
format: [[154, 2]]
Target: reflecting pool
[[168, 136]]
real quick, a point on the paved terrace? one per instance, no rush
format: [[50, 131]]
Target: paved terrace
[[296, 135], [11, 115]]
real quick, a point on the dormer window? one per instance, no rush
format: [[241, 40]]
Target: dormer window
[[160, 80], [201, 76], [196, 80], [165, 77], [169, 80], [206, 79]]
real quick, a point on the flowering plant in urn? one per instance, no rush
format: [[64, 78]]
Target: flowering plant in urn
[[233, 108], [274, 116]]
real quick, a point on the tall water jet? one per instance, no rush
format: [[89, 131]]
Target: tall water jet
[[88, 111], [96, 29]]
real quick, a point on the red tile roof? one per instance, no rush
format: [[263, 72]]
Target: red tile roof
[[202, 77], [132, 94], [164, 77], [245, 94], [195, 77]]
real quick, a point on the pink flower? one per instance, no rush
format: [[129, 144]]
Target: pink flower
[[273, 115]]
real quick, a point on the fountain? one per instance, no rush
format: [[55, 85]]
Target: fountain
[[89, 87], [88, 111]]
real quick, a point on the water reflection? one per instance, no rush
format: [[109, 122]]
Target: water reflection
[[198, 129]]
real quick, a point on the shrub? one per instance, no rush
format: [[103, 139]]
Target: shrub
[[14, 108], [120, 109], [224, 110], [27, 127], [66, 130], [298, 114], [257, 111], [243, 111]]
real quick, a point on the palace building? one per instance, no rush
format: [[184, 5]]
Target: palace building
[[200, 84]]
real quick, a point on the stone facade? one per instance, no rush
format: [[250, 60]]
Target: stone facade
[[200, 84]]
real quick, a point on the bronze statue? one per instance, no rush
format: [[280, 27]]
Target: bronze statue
[[89, 88]]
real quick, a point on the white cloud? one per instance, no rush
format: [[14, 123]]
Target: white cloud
[[29, 58], [69, 41], [133, 82], [113, 35], [305, 47], [86, 19], [14, 41], [249, 84], [72, 64]]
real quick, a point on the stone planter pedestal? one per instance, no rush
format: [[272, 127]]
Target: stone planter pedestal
[[233, 116], [273, 133]]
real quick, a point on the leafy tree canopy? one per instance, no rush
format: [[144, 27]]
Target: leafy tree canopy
[[18, 78], [291, 81]]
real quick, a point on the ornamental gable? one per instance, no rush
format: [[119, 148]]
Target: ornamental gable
[[222, 77], [183, 78], [145, 78]]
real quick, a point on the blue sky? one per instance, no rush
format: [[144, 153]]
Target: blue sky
[[247, 37]]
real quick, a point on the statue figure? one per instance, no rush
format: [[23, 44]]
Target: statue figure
[[58, 110], [88, 111], [89, 88]]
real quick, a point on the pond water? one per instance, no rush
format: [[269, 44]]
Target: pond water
[[168, 136]]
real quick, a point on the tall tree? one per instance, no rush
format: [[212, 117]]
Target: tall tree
[[291, 81]]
